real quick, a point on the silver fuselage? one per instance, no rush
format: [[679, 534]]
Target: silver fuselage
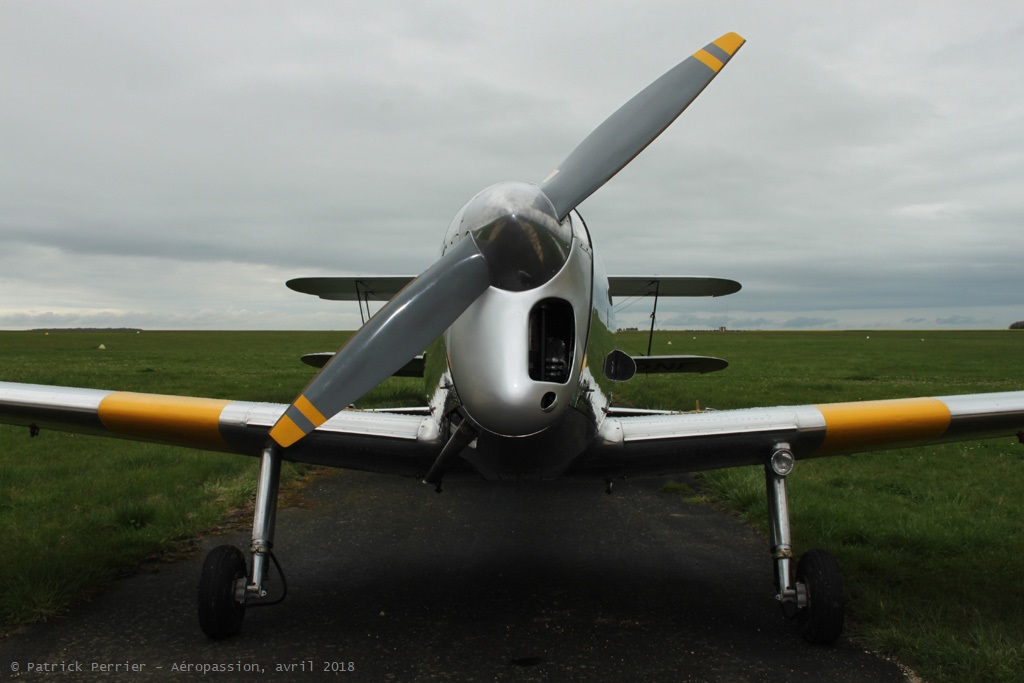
[[524, 363]]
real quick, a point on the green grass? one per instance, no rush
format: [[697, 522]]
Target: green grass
[[782, 368], [77, 511], [930, 539]]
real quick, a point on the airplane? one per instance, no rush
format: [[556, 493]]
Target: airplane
[[521, 363]]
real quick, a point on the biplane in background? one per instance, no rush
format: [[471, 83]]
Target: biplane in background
[[516, 320]]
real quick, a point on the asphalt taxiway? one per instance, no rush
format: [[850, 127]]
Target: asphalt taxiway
[[389, 581]]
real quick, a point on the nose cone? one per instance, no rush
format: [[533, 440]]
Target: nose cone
[[515, 227]]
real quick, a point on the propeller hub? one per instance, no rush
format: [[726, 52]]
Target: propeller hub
[[515, 228]]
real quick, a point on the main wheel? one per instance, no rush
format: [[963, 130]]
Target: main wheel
[[821, 621], [220, 612]]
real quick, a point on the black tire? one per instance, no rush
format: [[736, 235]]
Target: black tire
[[220, 614], [821, 621]]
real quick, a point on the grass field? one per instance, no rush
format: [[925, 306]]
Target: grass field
[[77, 511], [930, 539]]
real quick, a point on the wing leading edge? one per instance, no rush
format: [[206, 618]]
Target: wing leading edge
[[626, 445], [390, 443], [373, 288], [685, 442], [675, 286], [382, 288]]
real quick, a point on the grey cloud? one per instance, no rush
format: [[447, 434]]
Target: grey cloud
[[964, 321], [235, 145], [808, 322]]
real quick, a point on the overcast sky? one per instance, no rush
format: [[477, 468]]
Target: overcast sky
[[171, 164]]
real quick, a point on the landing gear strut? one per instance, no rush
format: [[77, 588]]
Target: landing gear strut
[[225, 587], [813, 595]]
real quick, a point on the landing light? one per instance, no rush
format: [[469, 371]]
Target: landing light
[[782, 462]]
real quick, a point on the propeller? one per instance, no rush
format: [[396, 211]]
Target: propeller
[[510, 236], [635, 125], [416, 316]]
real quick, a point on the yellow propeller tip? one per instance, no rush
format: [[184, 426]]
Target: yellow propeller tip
[[730, 42], [286, 432]]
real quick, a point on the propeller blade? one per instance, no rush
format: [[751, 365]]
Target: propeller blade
[[416, 316], [635, 125]]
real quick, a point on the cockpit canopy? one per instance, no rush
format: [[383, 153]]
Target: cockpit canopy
[[514, 226]]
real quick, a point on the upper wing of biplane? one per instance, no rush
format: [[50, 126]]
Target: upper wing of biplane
[[407, 444], [656, 285], [382, 288], [359, 288]]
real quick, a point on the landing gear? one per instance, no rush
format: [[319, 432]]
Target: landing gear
[[821, 622], [462, 437], [222, 592], [225, 586], [814, 596]]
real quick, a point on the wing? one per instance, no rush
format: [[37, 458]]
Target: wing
[[655, 285], [685, 442], [351, 288], [650, 365], [375, 441], [414, 368], [627, 444]]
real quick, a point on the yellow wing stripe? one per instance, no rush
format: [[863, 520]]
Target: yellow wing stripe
[[176, 419], [882, 424], [730, 42], [309, 411], [709, 60]]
